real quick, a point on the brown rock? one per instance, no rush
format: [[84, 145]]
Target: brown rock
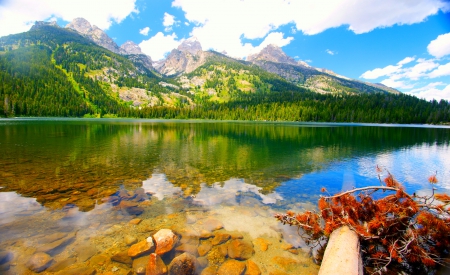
[[122, 257], [284, 263], [220, 238], [100, 260], [212, 224], [52, 237], [223, 249], [293, 251], [205, 234], [165, 241], [135, 221], [263, 244], [240, 249], [235, 236], [130, 240], [140, 265], [287, 246], [185, 264], [156, 265], [252, 268], [39, 262], [231, 267], [127, 204], [204, 248], [141, 248]]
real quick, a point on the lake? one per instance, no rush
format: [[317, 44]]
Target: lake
[[85, 190]]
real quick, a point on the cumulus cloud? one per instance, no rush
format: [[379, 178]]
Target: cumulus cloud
[[430, 91], [144, 31], [406, 60], [159, 45], [222, 24], [19, 15], [168, 22], [379, 72], [442, 70], [440, 46], [330, 52]]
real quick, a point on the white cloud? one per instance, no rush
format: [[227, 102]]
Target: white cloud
[[379, 72], [406, 60], [330, 52], [430, 92], [19, 15], [440, 46], [397, 84], [420, 69], [159, 45], [168, 22], [442, 70], [221, 25], [144, 31]]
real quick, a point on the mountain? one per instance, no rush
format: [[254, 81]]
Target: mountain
[[274, 60], [94, 33], [54, 71], [130, 47], [184, 59]]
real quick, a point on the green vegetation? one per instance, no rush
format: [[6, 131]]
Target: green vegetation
[[51, 71]]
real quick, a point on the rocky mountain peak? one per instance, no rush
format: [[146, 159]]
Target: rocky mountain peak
[[272, 53], [130, 47], [190, 45], [39, 24], [94, 33]]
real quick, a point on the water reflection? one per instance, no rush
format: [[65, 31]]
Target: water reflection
[[85, 190]]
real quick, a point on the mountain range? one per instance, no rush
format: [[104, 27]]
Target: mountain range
[[94, 76]]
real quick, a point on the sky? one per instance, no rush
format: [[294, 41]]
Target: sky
[[403, 44]]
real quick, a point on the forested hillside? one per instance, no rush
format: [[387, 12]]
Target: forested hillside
[[50, 71]]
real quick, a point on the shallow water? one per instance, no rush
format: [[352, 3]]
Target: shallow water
[[71, 187]]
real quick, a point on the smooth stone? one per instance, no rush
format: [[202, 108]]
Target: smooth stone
[[135, 221], [252, 268], [185, 264], [140, 265], [285, 263], [240, 249], [165, 241], [130, 240], [231, 267], [220, 238], [39, 262], [122, 257], [263, 244], [205, 234], [235, 236], [4, 267], [85, 252], [204, 248], [62, 265], [141, 248], [156, 266], [135, 210], [191, 219], [100, 260], [223, 249]]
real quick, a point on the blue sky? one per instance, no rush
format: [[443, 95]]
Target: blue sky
[[404, 44]]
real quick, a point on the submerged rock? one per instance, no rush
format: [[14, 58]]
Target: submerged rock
[[58, 246], [39, 262], [231, 267], [165, 241], [156, 265], [122, 257], [141, 248], [252, 268], [220, 238], [140, 265], [62, 264], [240, 249], [212, 224], [185, 264]]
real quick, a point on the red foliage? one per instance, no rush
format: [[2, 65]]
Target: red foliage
[[396, 230]]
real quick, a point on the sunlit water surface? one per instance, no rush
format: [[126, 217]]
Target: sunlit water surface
[[73, 188]]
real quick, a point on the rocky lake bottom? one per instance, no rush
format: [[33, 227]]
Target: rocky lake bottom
[[221, 233]]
